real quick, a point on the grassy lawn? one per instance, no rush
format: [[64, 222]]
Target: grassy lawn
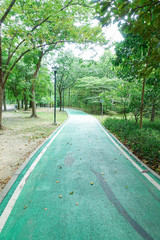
[[145, 143], [34, 128]]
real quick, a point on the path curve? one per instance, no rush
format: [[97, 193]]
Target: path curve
[[81, 186]]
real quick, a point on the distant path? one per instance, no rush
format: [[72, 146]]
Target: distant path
[[104, 196]]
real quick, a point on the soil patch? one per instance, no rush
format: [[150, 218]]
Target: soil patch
[[21, 136]]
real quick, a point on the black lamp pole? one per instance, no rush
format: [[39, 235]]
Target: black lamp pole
[[55, 80], [63, 99]]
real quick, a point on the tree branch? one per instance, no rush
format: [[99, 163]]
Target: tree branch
[[39, 24], [28, 35], [68, 4], [7, 11], [8, 72]]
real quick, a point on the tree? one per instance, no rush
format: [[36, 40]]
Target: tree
[[88, 91], [66, 76], [131, 58], [44, 87], [21, 88], [139, 18], [153, 94], [135, 100], [29, 25], [136, 17]]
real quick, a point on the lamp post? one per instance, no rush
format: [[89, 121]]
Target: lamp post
[[55, 80], [63, 99]]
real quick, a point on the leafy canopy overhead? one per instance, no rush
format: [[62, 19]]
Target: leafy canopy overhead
[[137, 17], [44, 24]]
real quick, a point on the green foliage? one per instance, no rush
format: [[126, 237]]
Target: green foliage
[[140, 19], [144, 143], [89, 91], [93, 79], [135, 100], [44, 87], [17, 89], [44, 24]]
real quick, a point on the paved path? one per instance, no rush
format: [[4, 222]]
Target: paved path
[[120, 204]]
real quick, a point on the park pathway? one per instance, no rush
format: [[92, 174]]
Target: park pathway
[[80, 185]]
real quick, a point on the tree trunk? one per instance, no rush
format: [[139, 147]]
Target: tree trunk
[[69, 97], [142, 102], [1, 80], [18, 104], [21, 103], [34, 114], [136, 118], [63, 100], [30, 104], [153, 113], [60, 97], [35, 75], [4, 100], [1, 101], [25, 102]]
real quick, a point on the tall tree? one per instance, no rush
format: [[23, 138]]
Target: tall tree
[[139, 18], [52, 22], [66, 75]]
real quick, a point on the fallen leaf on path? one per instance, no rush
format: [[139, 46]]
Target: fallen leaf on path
[[57, 181], [71, 193], [60, 196], [76, 203], [102, 173], [25, 206]]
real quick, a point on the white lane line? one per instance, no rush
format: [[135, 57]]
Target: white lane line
[[13, 199], [130, 159]]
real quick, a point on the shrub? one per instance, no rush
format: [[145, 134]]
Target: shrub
[[144, 143]]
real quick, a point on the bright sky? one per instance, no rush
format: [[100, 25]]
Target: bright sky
[[112, 34]]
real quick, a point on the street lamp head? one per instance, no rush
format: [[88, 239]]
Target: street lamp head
[[55, 68]]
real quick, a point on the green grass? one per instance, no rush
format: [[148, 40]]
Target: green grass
[[32, 128], [112, 114]]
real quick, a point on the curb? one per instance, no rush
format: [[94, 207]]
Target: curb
[[129, 152]]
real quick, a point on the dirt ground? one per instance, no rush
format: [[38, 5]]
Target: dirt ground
[[21, 136]]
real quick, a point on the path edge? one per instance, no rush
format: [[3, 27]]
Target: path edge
[[127, 150], [9, 185]]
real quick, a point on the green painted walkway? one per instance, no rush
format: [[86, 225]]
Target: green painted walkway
[[110, 198]]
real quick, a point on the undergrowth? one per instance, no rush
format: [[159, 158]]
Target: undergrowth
[[143, 143]]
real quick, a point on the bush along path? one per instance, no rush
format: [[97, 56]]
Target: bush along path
[[143, 143], [82, 185]]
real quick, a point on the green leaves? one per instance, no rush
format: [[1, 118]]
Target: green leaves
[[138, 19]]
